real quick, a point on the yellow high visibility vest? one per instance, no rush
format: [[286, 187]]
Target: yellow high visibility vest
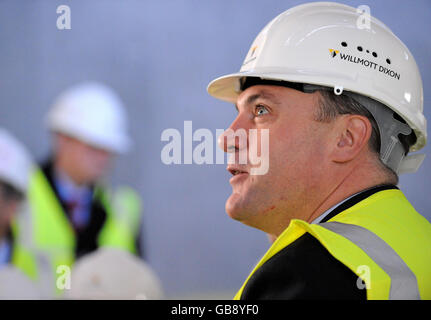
[[44, 234], [382, 239]]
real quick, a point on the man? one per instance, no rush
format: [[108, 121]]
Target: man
[[70, 212], [15, 168], [340, 127]]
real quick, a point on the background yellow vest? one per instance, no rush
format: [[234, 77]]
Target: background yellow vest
[[382, 239], [44, 238]]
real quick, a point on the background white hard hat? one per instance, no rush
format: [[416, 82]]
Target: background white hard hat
[[93, 113], [16, 164], [15, 285], [110, 273], [305, 44]]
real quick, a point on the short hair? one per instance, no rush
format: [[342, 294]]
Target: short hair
[[331, 105], [9, 192]]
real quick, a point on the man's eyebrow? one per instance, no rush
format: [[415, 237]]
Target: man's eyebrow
[[261, 95]]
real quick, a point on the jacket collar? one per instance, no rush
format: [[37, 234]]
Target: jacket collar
[[352, 200]]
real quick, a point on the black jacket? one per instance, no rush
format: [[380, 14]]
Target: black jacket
[[306, 270], [86, 239]]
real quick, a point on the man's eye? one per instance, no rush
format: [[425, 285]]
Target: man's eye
[[261, 110]]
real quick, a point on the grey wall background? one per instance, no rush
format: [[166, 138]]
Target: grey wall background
[[159, 56]]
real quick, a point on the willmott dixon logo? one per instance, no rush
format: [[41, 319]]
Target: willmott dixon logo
[[253, 50], [333, 52], [365, 63], [251, 55]]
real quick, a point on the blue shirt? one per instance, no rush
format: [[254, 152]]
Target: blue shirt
[[5, 251], [77, 199]]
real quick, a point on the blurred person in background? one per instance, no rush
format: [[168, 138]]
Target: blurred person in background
[[15, 168], [70, 212]]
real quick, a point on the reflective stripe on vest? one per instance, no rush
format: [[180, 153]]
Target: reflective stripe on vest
[[383, 233], [403, 281]]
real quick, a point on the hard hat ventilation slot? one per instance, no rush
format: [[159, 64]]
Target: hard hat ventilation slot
[[344, 44], [388, 61], [359, 48]]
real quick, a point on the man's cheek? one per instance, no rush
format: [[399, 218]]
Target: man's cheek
[[259, 150]]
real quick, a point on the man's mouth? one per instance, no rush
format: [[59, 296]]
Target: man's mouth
[[236, 172]]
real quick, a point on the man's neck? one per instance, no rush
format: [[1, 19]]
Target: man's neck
[[66, 186], [358, 180], [327, 212]]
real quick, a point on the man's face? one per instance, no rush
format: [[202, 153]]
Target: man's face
[[85, 164], [296, 154]]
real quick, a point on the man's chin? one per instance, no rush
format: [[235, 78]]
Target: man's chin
[[238, 209], [234, 207]]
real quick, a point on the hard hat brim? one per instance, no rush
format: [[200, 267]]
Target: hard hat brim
[[228, 87]]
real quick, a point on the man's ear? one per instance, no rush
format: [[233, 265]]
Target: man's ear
[[352, 133]]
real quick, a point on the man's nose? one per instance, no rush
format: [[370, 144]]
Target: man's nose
[[235, 137], [223, 142]]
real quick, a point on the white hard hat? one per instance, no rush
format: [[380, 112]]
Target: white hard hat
[[15, 285], [110, 273], [15, 162], [92, 113], [322, 44]]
